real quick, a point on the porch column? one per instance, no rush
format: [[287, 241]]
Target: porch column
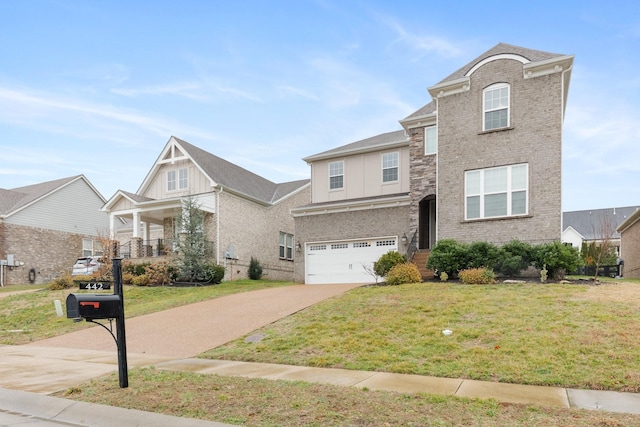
[[136, 224]]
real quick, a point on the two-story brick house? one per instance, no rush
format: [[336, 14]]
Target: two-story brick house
[[481, 161]]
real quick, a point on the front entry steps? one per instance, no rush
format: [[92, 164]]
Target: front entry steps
[[420, 260]]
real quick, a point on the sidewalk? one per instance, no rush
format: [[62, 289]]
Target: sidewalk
[[47, 370]]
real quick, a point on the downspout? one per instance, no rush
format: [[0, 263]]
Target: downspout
[[437, 172]]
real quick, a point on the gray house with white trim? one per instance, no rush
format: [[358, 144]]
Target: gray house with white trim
[[480, 161], [246, 215]]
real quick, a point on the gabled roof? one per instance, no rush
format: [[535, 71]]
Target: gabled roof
[[531, 57], [587, 222], [227, 175], [15, 199], [378, 142]]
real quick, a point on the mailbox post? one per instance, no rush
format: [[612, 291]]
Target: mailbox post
[[104, 306]]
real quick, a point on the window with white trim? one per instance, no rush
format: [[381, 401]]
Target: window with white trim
[[336, 175], [286, 246], [390, 167], [431, 140], [183, 181], [87, 247], [171, 180], [495, 107], [497, 192]]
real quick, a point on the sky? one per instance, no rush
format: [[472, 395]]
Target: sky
[[98, 87]]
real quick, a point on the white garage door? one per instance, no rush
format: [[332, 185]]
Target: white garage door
[[344, 262]]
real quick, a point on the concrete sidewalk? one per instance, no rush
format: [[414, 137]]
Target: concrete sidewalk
[[47, 370]]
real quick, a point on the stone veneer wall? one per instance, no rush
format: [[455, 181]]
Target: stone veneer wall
[[349, 225], [534, 138], [422, 181], [50, 253]]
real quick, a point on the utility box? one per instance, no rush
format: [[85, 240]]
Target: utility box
[[93, 306]]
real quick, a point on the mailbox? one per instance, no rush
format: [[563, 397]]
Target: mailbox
[[93, 306]]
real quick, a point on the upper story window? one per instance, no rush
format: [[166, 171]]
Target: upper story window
[[184, 178], [182, 182], [495, 107], [496, 192], [336, 175], [431, 140], [389, 167]]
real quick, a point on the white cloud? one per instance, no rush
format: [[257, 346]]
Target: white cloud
[[188, 90], [426, 44]]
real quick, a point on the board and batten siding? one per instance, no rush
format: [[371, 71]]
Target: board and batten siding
[[74, 208]]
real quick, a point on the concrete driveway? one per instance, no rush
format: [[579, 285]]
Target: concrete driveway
[[192, 329]]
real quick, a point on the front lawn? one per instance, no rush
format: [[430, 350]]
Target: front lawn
[[568, 335]]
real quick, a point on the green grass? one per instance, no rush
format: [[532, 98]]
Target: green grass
[[31, 316], [556, 335]]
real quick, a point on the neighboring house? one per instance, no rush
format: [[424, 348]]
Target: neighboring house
[[45, 227], [629, 231], [594, 225], [245, 215], [481, 161]]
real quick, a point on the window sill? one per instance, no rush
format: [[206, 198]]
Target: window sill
[[484, 132], [496, 218]]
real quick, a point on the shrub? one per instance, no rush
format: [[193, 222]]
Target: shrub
[[160, 272], [483, 254], [142, 280], [558, 259], [403, 273], [127, 278], [449, 256], [387, 261], [62, 282], [135, 269], [255, 269], [515, 256], [214, 273], [477, 276], [444, 276]]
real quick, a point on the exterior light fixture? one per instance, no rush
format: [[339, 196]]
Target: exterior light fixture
[[298, 246], [404, 238]]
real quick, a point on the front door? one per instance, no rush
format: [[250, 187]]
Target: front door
[[427, 223]]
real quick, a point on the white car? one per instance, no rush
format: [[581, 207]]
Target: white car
[[86, 265]]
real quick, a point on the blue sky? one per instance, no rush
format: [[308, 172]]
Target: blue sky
[[98, 87]]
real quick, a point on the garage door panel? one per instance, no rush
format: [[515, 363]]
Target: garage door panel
[[345, 262]]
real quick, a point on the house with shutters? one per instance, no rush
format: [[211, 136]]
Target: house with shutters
[[45, 227], [480, 161], [246, 215]]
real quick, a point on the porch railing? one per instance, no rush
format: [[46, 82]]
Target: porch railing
[[154, 248]]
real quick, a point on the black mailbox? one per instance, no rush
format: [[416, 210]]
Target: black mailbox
[[93, 306]]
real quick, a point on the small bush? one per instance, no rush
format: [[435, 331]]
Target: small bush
[[62, 282], [160, 272], [449, 256], [214, 273], [255, 269], [558, 259], [483, 254], [387, 261], [515, 256], [127, 278], [477, 276], [403, 273], [444, 276], [135, 269], [142, 280]]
